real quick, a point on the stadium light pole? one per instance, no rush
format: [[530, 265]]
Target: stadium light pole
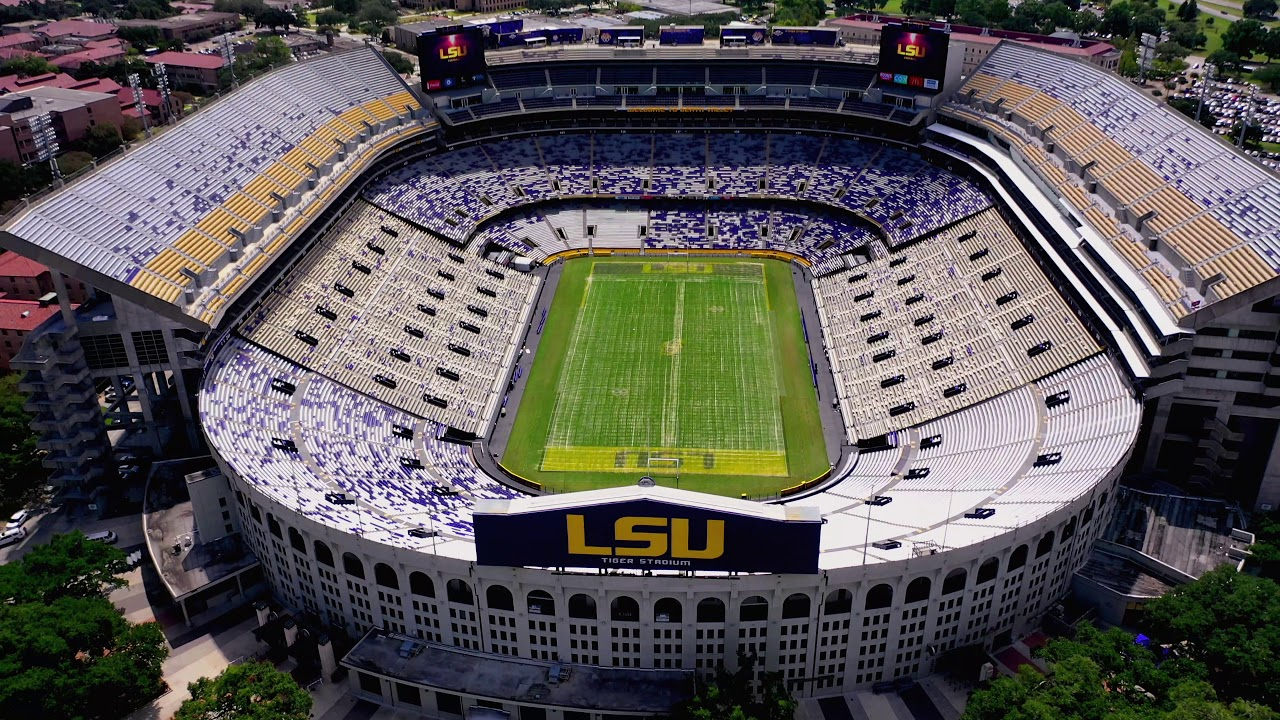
[[162, 82], [1204, 88], [229, 56], [46, 141], [1247, 120], [138, 103]]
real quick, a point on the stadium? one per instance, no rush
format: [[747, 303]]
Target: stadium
[[633, 360]]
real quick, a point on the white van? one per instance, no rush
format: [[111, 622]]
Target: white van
[[106, 536], [12, 535]]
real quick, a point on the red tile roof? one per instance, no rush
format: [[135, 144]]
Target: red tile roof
[[76, 59], [24, 315], [81, 28], [14, 265], [192, 60], [18, 39]]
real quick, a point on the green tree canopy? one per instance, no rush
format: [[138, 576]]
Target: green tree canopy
[[250, 691], [67, 566], [1225, 621], [20, 473], [65, 651], [399, 62], [1244, 37], [101, 139], [26, 66], [728, 695], [1260, 8]]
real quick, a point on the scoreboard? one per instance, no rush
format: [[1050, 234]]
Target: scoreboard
[[913, 57], [452, 57]]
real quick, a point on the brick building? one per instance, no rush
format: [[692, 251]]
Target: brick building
[[73, 112], [190, 68]]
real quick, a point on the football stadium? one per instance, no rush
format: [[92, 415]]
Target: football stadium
[[608, 360]]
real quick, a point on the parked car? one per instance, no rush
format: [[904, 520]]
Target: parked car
[[106, 536], [18, 519], [12, 535]]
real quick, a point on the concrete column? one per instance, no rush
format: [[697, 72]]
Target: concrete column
[[290, 632], [260, 608], [328, 664]]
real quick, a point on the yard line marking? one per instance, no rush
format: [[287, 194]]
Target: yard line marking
[[671, 410]]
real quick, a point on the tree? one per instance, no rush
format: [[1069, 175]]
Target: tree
[[65, 651], [101, 139], [273, 17], [330, 17], [1271, 44], [728, 695], [67, 566], [20, 473], [1186, 34], [250, 691], [1108, 675], [916, 8], [1085, 22], [1128, 64], [1223, 621], [1189, 10], [1117, 20], [1224, 60], [27, 66], [399, 62], [1244, 37], [376, 15], [1260, 8]]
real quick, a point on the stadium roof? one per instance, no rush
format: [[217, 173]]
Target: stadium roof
[[671, 496], [185, 222]]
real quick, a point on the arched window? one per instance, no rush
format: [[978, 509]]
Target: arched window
[[459, 592], [988, 570], [1088, 515], [295, 540], [273, 526], [255, 514], [796, 606], [918, 590], [624, 609], [582, 607], [324, 555], [753, 609], [1070, 530], [711, 610], [540, 602], [880, 597], [1045, 545], [352, 566], [497, 597], [668, 610], [1018, 557], [839, 602], [385, 576], [420, 584], [955, 580]]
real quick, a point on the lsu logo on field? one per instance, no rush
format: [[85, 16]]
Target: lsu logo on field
[[912, 47], [453, 52], [647, 537]]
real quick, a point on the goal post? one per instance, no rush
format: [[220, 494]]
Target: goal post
[[665, 466]]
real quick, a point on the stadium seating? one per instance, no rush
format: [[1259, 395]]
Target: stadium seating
[[1210, 209], [454, 192], [948, 322], [386, 309], [983, 455], [177, 206]]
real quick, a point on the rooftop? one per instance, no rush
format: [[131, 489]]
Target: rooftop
[[24, 315], [1122, 575], [517, 679], [170, 523], [969, 33], [183, 59], [1188, 533], [17, 39], [14, 265], [80, 28], [53, 99], [96, 54], [183, 21]]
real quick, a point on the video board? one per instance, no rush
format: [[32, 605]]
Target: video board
[[825, 37], [451, 58], [914, 57], [647, 535]]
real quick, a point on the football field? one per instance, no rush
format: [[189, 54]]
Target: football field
[[670, 368]]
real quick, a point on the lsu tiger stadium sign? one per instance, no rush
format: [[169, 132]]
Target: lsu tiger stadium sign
[[647, 529]]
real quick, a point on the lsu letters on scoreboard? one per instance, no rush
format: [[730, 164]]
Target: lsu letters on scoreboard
[[651, 528]]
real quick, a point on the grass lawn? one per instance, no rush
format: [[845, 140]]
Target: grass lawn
[[648, 365]]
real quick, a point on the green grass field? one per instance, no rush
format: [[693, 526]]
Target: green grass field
[[653, 366]]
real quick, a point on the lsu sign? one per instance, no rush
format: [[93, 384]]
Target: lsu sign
[[648, 534], [912, 47], [453, 52]]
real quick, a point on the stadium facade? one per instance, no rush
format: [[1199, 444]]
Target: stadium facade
[[1019, 281]]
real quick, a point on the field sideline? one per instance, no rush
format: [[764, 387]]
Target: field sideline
[[650, 357]]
